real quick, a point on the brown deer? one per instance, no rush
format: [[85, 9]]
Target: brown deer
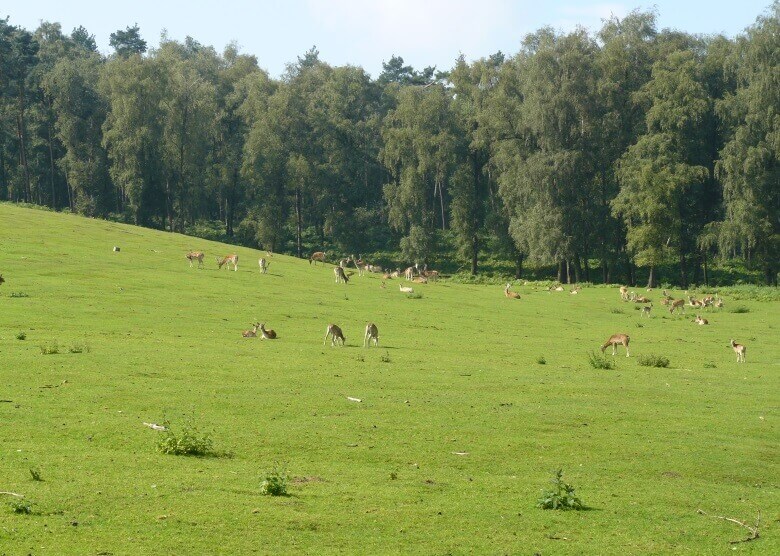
[[677, 304], [228, 260], [740, 350], [317, 256], [195, 256], [340, 275], [267, 334], [263, 265], [699, 320], [336, 335], [251, 333], [614, 341], [624, 293], [511, 295], [646, 310], [642, 299], [372, 333]]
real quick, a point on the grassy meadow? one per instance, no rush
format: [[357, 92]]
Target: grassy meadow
[[468, 404]]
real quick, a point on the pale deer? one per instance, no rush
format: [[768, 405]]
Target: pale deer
[[228, 260], [719, 303], [708, 301], [396, 274], [646, 310], [317, 256], [336, 335], [677, 304], [340, 275], [195, 256], [263, 266], [251, 333], [405, 289], [740, 350], [624, 293], [267, 334], [344, 262], [409, 274], [642, 299], [511, 295], [693, 302], [614, 341], [420, 280], [372, 333], [699, 320], [359, 264], [575, 290]]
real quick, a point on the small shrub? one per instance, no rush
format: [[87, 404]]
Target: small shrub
[[79, 348], [414, 296], [21, 506], [653, 361], [739, 309], [386, 357], [21, 336], [709, 365], [274, 482], [19, 294], [599, 361], [361, 358], [541, 360], [616, 311], [639, 325], [560, 497], [188, 442], [50, 349], [36, 474], [393, 475]]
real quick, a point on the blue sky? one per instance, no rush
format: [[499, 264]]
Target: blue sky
[[368, 32]]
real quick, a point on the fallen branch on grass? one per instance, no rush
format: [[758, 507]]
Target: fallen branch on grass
[[753, 530], [13, 494]]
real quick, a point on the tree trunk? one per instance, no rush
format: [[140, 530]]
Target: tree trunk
[[577, 269], [23, 155], [568, 272], [519, 265], [51, 157], [298, 221], [683, 272], [704, 268], [631, 274], [560, 272]]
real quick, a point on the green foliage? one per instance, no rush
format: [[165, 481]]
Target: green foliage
[[561, 496], [541, 360], [740, 309], [274, 482], [21, 506], [21, 336], [36, 474], [52, 348], [600, 361], [19, 294], [79, 348], [386, 357], [653, 361], [189, 441]]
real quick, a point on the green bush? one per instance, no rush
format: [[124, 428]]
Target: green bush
[[561, 496], [274, 482], [21, 506], [653, 361], [541, 360], [598, 361], [79, 348], [36, 474], [21, 336], [50, 349], [739, 309], [188, 442]]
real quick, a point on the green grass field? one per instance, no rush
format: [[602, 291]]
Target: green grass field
[[457, 371]]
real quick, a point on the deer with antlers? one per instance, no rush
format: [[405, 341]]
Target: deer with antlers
[[616, 340], [341, 276], [228, 260], [372, 333], [740, 350], [317, 256], [336, 335], [195, 256]]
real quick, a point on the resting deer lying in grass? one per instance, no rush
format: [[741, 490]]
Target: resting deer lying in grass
[[693, 302], [432, 275], [719, 303], [263, 266], [336, 335], [614, 341], [405, 289], [642, 299], [267, 334], [575, 290], [740, 350], [372, 333], [195, 256], [708, 301], [251, 333], [340, 275], [700, 320], [511, 295], [420, 280], [317, 256], [677, 304], [228, 260]]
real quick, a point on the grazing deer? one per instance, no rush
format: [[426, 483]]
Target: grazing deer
[[511, 295], [677, 304], [404, 289], [228, 260], [267, 334], [317, 256], [340, 275], [701, 321], [740, 350], [646, 310], [409, 274], [624, 293], [195, 256], [251, 333], [614, 341], [372, 333], [263, 266], [373, 268], [336, 335]]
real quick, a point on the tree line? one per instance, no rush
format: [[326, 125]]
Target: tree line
[[599, 153]]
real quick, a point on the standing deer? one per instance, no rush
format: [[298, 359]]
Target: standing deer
[[317, 256], [263, 266], [251, 333], [336, 335], [372, 333], [614, 341], [677, 304], [740, 350], [359, 264], [340, 275], [624, 293], [228, 260], [511, 295], [195, 256], [409, 274], [267, 334], [646, 310]]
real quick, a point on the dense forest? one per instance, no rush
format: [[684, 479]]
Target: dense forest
[[599, 155]]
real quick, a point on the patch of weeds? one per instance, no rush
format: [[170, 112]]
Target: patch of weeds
[[386, 357], [21, 336], [414, 296], [653, 361], [188, 442], [616, 311], [600, 361], [79, 348], [740, 309], [541, 360], [361, 358], [393, 475], [639, 325], [274, 482], [19, 294], [561, 496], [709, 365], [36, 474], [50, 349], [21, 506]]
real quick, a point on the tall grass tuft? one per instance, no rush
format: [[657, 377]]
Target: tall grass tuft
[[599, 361], [653, 361]]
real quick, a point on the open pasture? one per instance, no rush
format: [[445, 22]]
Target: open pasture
[[457, 431]]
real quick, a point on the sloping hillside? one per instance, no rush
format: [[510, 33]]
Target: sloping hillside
[[458, 426]]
